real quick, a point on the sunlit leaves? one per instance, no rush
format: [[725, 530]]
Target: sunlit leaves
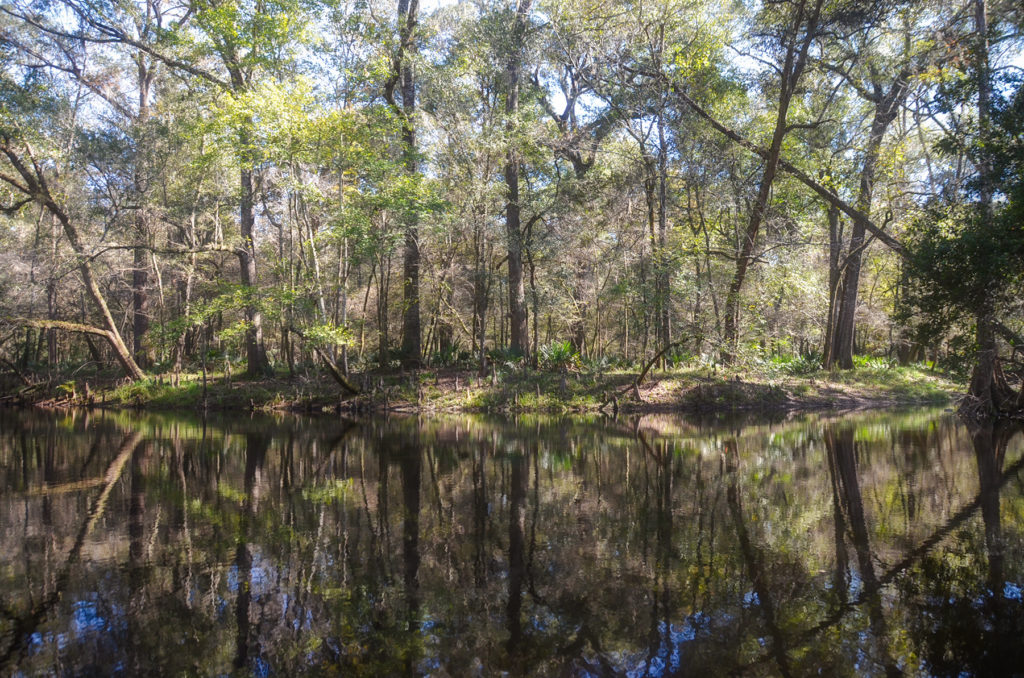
[[251, 35], [327, 335]]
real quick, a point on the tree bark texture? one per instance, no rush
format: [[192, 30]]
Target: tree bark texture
[[255, 355], [887, 106], [411, 325], [140, 266], [519, 339], [140, 306], [986, 363]]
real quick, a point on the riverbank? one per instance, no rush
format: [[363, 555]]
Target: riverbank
[[453, 390]]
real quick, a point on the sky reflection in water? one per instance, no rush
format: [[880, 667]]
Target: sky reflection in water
[[858, 545]]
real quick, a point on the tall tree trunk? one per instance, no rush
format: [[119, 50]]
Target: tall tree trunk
[[983, 374], [663, 292], [835, 251], [140, 266], [887, 106], [651, 297], [411, 329], [140, 305], [519, 332], [982, 377], [255, 355]]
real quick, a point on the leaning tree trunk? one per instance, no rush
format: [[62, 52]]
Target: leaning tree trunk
[[35, 185], [732, 298], [791, 75], [807, 16], [121, 352]]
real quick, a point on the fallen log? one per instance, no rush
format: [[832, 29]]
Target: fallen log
[[332, 368]]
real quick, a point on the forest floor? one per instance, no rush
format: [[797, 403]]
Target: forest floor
[[456, 390]]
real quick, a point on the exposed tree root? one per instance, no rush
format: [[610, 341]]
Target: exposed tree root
[[1001, 401]]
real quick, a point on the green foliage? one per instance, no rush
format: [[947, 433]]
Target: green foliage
[[505, 357], [598, 364], [967, 257], [803, 364], [249, 36], [29, 106], [268, 120], [336, 492], [788, 364], [679, 357], [453, 354], [867, 362], [327, 335], [960, 262], [558, 355]]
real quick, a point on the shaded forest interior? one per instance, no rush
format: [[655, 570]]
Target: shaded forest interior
[[265, 186]]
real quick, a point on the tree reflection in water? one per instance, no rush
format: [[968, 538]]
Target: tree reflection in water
[[970, 612], [881, 544]]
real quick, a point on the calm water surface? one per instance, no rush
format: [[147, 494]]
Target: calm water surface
[[860, 545]]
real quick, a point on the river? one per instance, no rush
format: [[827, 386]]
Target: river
[[867, 544]]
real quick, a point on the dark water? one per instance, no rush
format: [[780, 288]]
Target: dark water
[[867, 545]]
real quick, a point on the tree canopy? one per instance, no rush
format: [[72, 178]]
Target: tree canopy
[[373, 184]]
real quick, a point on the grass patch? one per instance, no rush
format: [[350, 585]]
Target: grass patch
[[750, 387]]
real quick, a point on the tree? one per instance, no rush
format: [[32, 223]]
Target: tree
[[887, 98], [25, 175], [796, 30], [404, 79], [967, 255], [514, 55]]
